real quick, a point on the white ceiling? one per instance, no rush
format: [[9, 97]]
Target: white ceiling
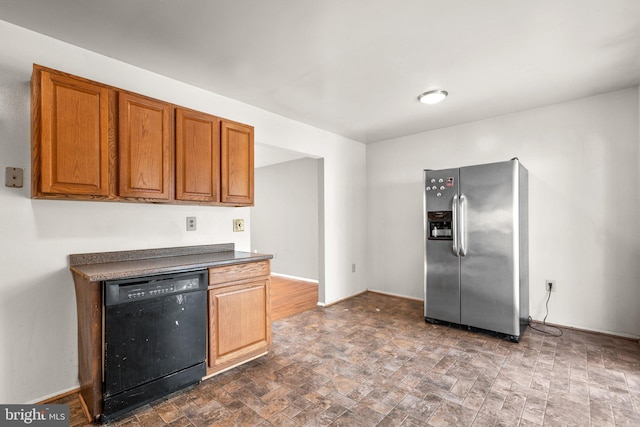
[[356, 67]]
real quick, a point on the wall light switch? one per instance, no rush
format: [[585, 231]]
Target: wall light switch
[[238, 225], [191, 223], [13, 177]]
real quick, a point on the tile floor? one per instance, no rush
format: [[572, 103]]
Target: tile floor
[[372, 360]]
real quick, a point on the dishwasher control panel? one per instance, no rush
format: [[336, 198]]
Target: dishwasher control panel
[[140, 288]]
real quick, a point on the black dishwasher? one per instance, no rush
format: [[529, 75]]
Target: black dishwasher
[[154, 338]]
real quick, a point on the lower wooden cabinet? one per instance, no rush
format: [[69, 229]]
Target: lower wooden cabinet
[[239, 314]]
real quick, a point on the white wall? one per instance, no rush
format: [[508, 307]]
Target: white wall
[[38, 356], [583, 161], [284, 220]]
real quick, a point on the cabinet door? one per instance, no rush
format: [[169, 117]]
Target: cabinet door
[[197, 156], [145, 147], [239, 322], [72, 140], [237, 163]]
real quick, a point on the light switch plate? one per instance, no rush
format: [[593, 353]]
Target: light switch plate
[[13, 177], [238, 225]]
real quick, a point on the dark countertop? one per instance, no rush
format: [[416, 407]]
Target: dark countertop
[[125, 264]]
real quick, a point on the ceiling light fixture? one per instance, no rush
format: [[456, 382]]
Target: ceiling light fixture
[[433, 96]]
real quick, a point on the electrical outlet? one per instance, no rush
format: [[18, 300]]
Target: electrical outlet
[[238, 225], [191, 223], [353, 268], [550, 285], [13, 177]]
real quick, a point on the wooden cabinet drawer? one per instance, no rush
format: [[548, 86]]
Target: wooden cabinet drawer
[[237, 272]]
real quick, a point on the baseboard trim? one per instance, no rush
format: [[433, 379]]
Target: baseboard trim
[[395, 295], [302, 279], [588, 331], [59, 395], [328, 304]]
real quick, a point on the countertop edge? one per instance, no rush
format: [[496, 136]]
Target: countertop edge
[[142, 254], [162, 265]]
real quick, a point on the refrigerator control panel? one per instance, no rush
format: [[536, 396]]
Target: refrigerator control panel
[[440, 185]]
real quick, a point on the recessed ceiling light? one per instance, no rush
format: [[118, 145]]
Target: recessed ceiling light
[[433, 96]]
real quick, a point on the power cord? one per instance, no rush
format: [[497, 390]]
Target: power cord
[[544, 321]]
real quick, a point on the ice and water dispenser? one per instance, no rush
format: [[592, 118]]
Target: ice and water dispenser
[[440, 225]]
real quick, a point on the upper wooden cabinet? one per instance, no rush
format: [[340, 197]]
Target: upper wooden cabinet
[[145, 147], [237, 163], [197, 156], [71, 130], [91, 141]]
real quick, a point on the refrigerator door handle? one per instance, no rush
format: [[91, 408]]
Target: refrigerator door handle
[[463, 229], [454, 224], [463, 220]]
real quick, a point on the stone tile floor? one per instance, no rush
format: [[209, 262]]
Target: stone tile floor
[[372, 360]]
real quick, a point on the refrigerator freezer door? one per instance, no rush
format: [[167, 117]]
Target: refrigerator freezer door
[[489, 296], [442, 270]]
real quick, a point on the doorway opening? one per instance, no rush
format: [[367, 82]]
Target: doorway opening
[[287, 221]]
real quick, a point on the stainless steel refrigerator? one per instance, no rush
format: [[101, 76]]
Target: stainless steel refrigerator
[[476, 247]]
